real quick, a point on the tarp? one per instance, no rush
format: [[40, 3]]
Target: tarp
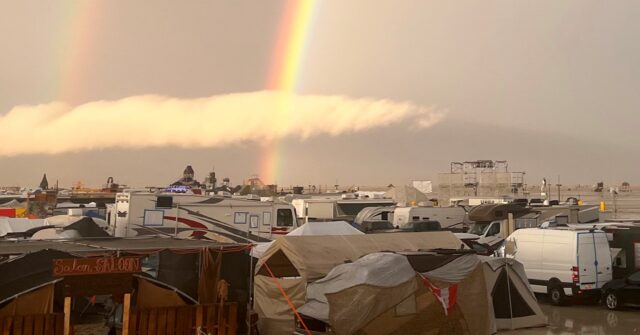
[[12, 204], [151, 294], [18, 225], [37, 301], [296, 260], [22, 274], [510, 296], [312, 257], [392, 299], [312, 229], [406, 195]]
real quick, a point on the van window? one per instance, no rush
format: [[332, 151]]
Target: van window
[[285, 218], [415, 218], [164, 202], [494, 230]]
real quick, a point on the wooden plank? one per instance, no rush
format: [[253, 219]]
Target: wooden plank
[[210, 318], [181, 321], [38, 324], [220, 324], [67, 316], [6, 325], [125, 313], [59, 324], [49, 324], [17, 325], [171, 321], [153, 321], [199, 313], [27, 326], [232, 319], [162, 321], [144, 322], [133, 322]]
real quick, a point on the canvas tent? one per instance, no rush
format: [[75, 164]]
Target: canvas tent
[[406, 195], [297, 260], [392, 298], [312, 228], [510, 296]]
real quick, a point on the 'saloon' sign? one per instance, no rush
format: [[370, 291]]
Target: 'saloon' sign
[[95, 266]]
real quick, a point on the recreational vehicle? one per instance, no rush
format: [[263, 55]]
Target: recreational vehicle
[[333, 208], [186, 215]]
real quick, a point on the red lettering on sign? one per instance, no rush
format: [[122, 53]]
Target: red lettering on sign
[[95, 266]]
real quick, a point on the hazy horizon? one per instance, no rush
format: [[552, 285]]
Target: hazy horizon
[[385, 92]]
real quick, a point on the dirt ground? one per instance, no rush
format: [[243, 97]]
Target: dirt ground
[[585, 319]]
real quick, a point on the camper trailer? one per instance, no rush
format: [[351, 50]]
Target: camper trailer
[[449, 217], [186, 215], [333, 208]]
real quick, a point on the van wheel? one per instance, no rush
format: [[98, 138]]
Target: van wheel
[[556, 294], [612, 300]]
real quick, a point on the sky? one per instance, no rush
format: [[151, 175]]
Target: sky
[[359, 92]]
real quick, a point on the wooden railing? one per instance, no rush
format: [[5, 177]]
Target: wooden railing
[[185, 320], [38, 324]]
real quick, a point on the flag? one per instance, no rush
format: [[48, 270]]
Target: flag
[[447, 296]]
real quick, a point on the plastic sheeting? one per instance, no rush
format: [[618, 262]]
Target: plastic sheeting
[[327, 228], [381, 294], [312, 257]]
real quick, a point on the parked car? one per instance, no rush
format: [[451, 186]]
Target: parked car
[[620, 292], [562, 262]]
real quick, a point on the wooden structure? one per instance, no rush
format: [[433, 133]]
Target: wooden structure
[[39, 324], [215, 319]]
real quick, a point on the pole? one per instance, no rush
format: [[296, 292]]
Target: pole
[[67, 316], [175, 232], [126, 308]]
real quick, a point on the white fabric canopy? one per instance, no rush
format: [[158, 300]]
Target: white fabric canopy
[[312, 228]]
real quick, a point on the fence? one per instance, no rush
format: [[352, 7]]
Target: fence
[[38, 324], [214, 319]]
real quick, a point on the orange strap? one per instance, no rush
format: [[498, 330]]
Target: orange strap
[[295, 311]]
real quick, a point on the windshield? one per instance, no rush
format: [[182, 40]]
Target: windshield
[[478, 228]]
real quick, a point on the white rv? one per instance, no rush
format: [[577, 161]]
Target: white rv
[[562, 262], [186, 215], [345, 206], [449, 217]]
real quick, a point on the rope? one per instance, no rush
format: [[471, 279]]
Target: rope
[[293, 308]]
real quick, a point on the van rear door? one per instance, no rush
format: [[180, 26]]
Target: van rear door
[[587, 261], [603, 255], [594, 260]]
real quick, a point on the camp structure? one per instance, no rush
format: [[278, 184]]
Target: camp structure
[[315, 228], [178, 285], [406, 195], [513, 303], [294, 261], [403, 293], [420, 293]]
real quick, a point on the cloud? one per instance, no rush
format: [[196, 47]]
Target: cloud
[[156, 121]]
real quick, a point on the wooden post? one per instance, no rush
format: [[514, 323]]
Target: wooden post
[[67, 315], [199, 311], [125, 313]]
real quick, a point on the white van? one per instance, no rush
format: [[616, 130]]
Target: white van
[[562, 262]]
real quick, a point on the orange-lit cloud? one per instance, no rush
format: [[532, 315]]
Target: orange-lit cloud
[[157, 121]]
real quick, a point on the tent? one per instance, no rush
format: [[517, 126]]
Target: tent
[[293, 261], [312, 228], [510, 296], [406, 195], [420, 293]]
